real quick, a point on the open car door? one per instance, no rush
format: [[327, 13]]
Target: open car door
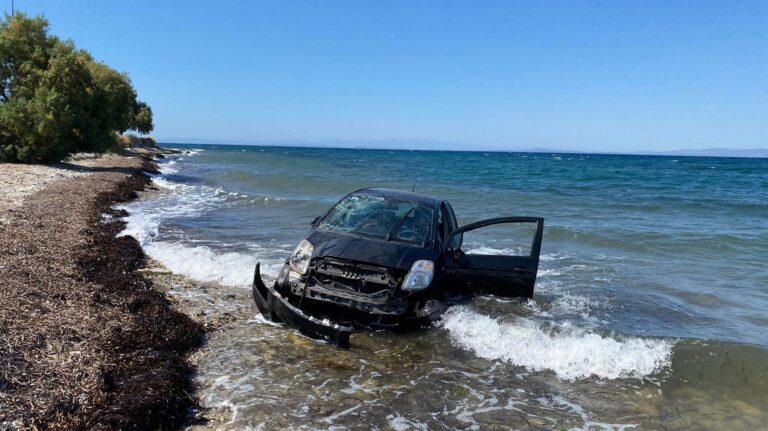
[[507, 272]]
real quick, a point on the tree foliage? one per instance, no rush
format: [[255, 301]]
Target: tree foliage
[[56, 99]]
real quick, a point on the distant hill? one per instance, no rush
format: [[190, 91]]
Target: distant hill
[[713, 152]]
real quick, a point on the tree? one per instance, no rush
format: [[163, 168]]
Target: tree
[[56, 99]]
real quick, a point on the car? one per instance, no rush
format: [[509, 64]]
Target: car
[[389, 259]]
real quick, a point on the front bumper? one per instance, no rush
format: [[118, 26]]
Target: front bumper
[[273, 306]]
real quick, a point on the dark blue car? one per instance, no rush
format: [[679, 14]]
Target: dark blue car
[[389, 259]]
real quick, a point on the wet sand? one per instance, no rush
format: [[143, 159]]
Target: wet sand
[[85, 341], [221, 310]]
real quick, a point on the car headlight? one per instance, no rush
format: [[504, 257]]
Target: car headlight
[[300, 258], [420, 275]]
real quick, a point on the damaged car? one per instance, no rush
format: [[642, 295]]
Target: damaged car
[[390, 259]]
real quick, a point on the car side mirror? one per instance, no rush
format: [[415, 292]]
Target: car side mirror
[[455, 241], [316, 221]]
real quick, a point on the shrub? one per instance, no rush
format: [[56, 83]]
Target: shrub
[[56, 99]]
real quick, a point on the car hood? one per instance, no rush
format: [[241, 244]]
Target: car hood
[[390, 254]]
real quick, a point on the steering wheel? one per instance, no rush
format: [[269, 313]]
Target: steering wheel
[[369, 223], [408, 234]]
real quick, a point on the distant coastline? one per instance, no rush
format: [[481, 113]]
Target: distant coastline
[[428, 145]]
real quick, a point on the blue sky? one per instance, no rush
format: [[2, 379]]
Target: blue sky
[[570, 75]]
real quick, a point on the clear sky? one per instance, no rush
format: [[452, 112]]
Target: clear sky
[[596, 75]]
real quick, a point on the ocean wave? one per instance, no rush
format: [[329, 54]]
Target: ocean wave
[[187, 152], [198, 260], [507, 251], [554, 277], [163, 183], [515, 251], [180, 201], [549, 257], [566, 303], [205, 264], [569, 351], [168, 168]]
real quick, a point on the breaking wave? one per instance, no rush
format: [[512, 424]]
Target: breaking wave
[[181, 201], [168, 168], [569, 351], [199, 262], [202, 263]]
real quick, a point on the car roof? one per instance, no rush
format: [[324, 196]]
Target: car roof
[[421, 199]]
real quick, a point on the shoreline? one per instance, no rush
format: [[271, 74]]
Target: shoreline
[[250, 373], [87, 342], [543, 365]]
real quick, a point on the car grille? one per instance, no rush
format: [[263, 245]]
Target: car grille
[[352, 277]]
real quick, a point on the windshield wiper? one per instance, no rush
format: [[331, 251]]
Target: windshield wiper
[[397, 224]]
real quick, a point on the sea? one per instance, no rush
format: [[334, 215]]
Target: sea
[[650, 308]]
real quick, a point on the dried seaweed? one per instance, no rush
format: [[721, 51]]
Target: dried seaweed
[[85, 342]]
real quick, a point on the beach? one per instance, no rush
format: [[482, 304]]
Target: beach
[[127, 301], [85, 341], [399, 216]]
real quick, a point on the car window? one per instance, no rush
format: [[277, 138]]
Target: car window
[[378, 217], [505, 239]]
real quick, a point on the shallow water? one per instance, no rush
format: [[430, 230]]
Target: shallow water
[[649, 309]]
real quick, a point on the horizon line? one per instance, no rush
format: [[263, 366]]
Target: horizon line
[[361, 145]]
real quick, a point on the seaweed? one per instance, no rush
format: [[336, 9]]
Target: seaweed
[[85, 341]]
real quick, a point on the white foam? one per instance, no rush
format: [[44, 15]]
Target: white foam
[[261, 320], [401, 423], [549, 272], [192, 152], [571, 352], [559, 401], [143, 226], [485, 250], [197, 261], [181, 200], [168, 168], [163, 183], [571, 303], [553, 256], [203, 264]]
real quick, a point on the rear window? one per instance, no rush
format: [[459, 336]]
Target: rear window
[[379, 217]]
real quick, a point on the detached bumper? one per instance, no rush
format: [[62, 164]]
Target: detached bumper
[[273, 306]]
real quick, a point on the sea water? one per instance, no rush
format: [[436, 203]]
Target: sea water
[[650, 307]]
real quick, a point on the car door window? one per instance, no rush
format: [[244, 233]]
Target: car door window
[[504, 239]]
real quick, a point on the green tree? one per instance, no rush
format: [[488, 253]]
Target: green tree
[[56, 99]]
